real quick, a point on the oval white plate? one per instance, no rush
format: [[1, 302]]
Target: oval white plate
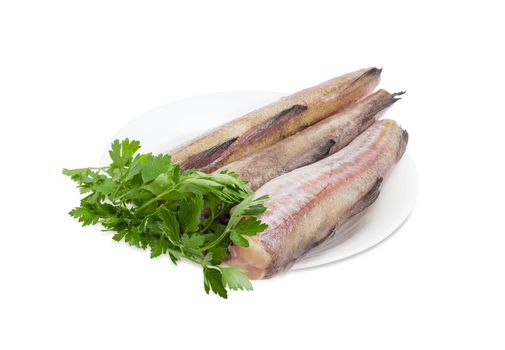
[[163, 128]]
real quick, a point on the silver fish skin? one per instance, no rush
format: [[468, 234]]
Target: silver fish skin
[[307, 204], [313, 143], [267, 125]]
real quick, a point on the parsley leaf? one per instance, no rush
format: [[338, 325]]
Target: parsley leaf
[[154, 166], [213, 281], [193, 242], [234, 278], [122, 151], [106, 187], [238, 239], [190, 212], [85, 215], [250, 226]]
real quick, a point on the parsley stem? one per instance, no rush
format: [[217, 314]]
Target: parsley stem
[[126, 194], [152, 200], [209, 222], [180, 253], [99, 168], [214, 216], [216, 241]]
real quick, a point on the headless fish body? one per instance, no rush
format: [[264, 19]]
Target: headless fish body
[[313, 143], [307, 204], [269, 124]]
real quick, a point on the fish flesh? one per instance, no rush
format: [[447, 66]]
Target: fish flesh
[[306, 205], [267, 125], [313, 143]]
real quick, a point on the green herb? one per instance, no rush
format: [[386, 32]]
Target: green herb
[[149, 203]]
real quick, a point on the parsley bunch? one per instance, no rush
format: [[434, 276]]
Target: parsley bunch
[[149, 203]]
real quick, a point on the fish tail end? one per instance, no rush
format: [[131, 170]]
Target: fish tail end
[[392, 99], [380, 101], [395, 96], [374, 71], [399, 93], [369, 75]]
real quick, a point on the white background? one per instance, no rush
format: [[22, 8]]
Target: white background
[[72, 73]]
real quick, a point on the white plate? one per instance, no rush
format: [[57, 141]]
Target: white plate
[[167, 126]]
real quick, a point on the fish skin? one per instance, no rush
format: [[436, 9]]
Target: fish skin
[[307, 204], [267, 133], [313, 143], [320, 101]]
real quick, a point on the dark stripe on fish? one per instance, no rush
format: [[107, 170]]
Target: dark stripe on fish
[[323, 151], [403, 145], [273, 122], [203, 158], [367, 200]]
